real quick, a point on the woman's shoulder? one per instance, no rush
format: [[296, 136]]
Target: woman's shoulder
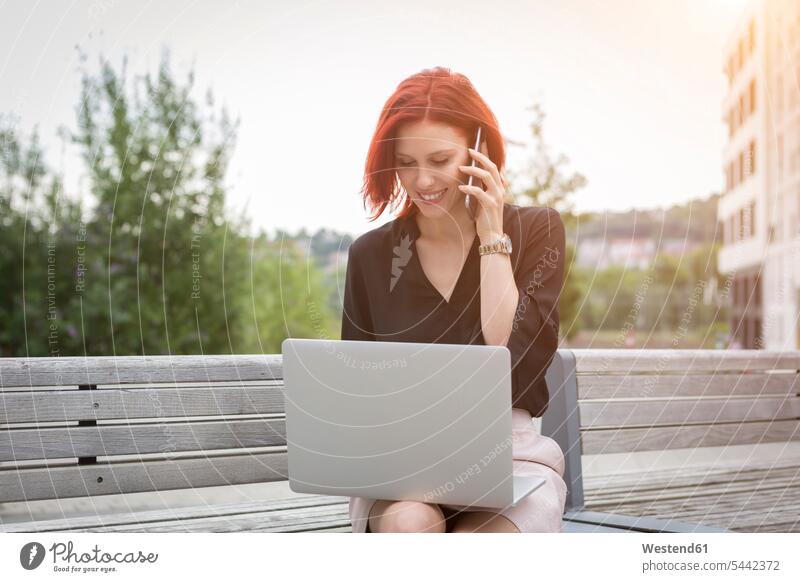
[[530, 221], [372, 243], [532, 214]]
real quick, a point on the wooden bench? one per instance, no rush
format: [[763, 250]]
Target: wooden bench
[[678, 401], [79, 427]]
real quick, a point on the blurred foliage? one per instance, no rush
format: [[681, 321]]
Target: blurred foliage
[[692, 221], [545, 181], [676, 296], [156, 265]]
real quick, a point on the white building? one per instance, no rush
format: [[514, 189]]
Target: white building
[[759, 211]]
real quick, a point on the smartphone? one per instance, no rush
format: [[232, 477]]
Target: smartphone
[[468, 201]]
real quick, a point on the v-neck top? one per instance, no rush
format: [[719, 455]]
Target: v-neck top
[[388, 297], [470, 252]]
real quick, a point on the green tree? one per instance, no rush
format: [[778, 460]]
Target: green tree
[[155, 265], [179, 274], [571, 296], [156, 163], [546, 182], [38, 235]]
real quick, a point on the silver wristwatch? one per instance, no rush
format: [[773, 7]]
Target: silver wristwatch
[[501, 245]]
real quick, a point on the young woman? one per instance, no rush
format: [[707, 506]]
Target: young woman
[[436, 275]]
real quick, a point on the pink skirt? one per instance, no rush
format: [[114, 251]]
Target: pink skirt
[[534, 454]]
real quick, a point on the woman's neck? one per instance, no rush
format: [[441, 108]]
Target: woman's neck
[[456, 228]]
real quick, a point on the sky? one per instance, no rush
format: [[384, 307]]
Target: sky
[[631, 89]]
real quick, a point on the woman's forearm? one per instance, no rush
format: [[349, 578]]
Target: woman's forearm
[[499, 298]]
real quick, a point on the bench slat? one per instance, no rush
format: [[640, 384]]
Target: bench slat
[[22, 372], [728, 482], [615, 361], [124, 439], [741, 510], [744, 509], [763, 484], [615, 413], [283, 520], [108, 404], [107, 478], [691, 385], [620, 440], [184, 514], [321, 518]]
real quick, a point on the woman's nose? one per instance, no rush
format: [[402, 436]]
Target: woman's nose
[[425, 179]]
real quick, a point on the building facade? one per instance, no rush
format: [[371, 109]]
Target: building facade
[[758, 213]]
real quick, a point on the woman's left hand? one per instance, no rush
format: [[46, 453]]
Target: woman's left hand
[[489, 214]]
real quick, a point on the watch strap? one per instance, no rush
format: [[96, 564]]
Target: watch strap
[[501, 245]]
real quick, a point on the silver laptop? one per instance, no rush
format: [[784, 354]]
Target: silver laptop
[[402, 421]]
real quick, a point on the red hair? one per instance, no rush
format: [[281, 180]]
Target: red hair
[[438, 95]]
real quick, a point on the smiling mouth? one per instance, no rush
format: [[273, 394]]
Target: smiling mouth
[[434, 196]]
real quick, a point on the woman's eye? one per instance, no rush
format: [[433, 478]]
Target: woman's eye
[[437, 162]]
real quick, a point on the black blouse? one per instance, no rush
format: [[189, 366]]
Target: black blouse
[[388, 297]]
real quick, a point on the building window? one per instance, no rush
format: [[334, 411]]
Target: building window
[[751, 159], [741, 224], [740, 112], [740, 61], [752, 97], [752, 218], [757, 288], [745, 104], [791, 89], [745, 222], [741, 167]]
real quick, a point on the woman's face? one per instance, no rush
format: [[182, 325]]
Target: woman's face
[[427, 157]]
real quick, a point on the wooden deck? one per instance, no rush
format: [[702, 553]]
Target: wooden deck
[[762, 496]]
